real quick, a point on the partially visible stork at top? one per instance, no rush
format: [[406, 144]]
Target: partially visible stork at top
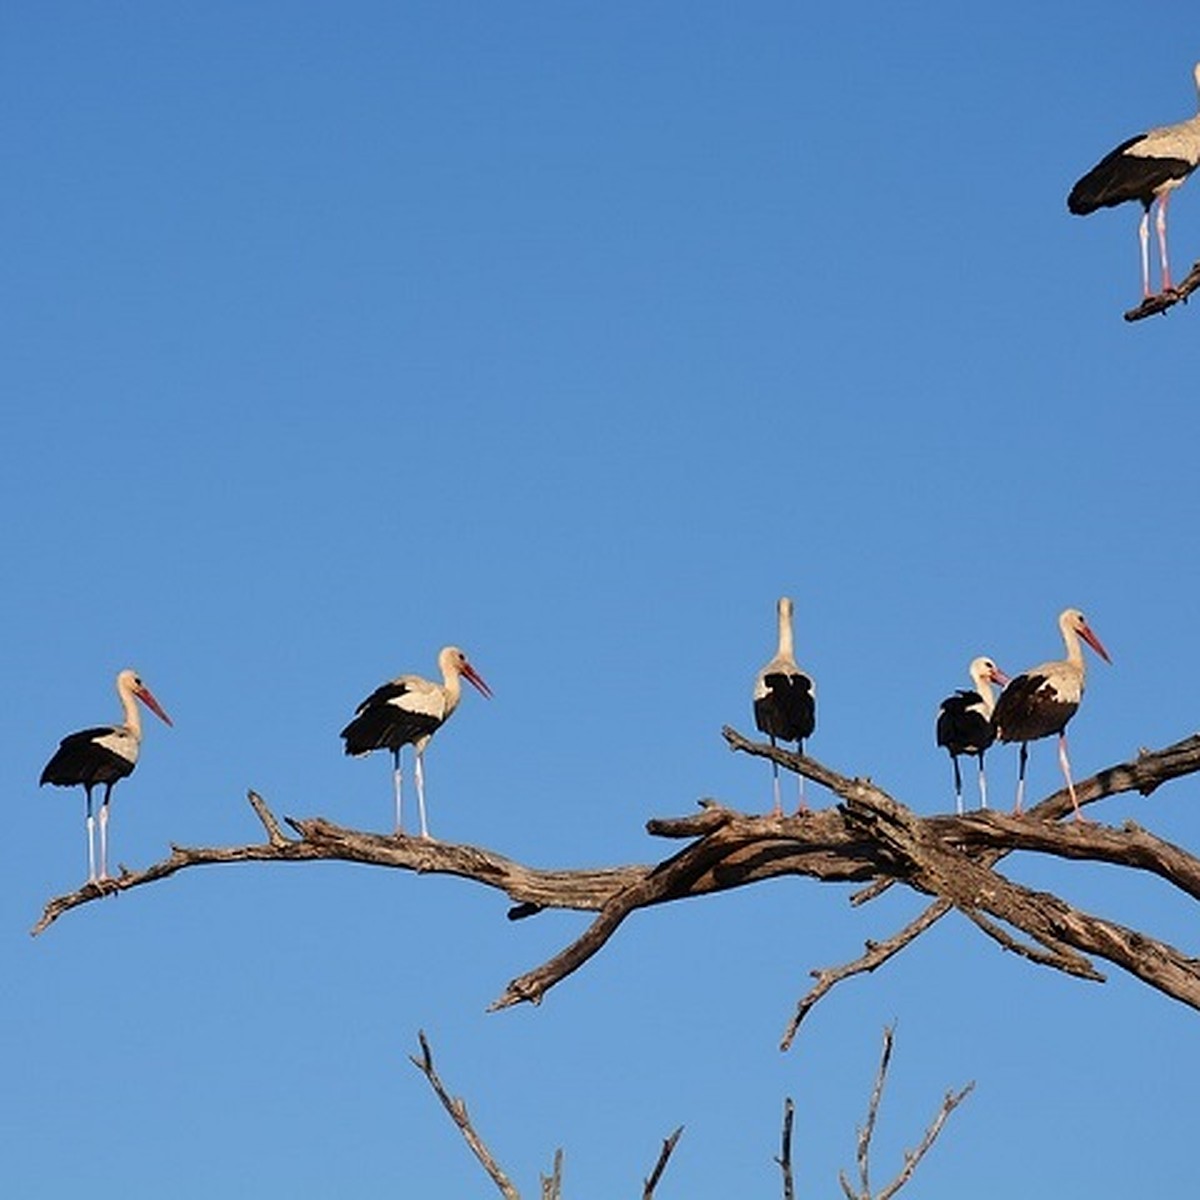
[[1145, 168], [104, 755], [1043, 699], [785, 700], [408, 711], [964, 723]]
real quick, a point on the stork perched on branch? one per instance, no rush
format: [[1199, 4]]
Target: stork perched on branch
[[1145, 168], [1042, 700], [964, 723], [104, 755], [785, 699], [408, 711]]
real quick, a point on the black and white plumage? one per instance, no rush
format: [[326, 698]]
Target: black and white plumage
[[103, 755], [1145, 168], [964, 722], [408, 711], [785, 699], [1041, 701]]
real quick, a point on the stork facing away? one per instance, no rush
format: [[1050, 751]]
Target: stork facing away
[[1042, 700], [785, 700], [964, 723], [1145, 168], [408, 711], [104, 755]]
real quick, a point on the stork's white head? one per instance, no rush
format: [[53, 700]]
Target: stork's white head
[[983, 670], [129, 683], [453, 661], [1072, 620]]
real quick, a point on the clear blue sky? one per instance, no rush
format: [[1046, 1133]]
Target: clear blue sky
[[574, 334]]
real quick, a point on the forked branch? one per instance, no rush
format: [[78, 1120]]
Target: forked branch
[[912, 1158], [868, 838]]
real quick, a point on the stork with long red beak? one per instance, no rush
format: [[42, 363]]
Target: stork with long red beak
[[103, 755], [408, 711], [1043, 700]]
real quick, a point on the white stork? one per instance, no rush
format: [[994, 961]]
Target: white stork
[[1041, 701], [1146, 168], [964, 722], [785, 699], [103, 755], [408, 711]]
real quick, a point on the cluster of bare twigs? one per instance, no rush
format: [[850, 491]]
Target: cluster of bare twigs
[[551, 1185], [867, 837]]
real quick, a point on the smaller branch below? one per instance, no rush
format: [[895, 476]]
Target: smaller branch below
[[660, 1166], [458, 1113], [785, 1149]]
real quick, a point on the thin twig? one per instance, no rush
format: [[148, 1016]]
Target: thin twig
[[785, 1149], [912, 1158], [458, 1113], [876, 954], [552, 1183], [275, 835], [868, 1128], [661, 1165]]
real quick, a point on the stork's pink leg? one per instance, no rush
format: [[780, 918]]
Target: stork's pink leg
[[777, 810], [104, 839], [419, 772], [1160, 226], [398, 790], [982, 785], [1066, 770], [802, 804], [1144, 239], [1021, 778], [91, 836]]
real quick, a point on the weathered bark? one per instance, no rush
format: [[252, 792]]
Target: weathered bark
[[1164, 300], [868, 838]]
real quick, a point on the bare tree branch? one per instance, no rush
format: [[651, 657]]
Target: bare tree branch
[[1164, 300], [912, 1158], [869, 838], [458, 1113], [664, 1156], [876, 954], [552, 1183], [785, 1149]]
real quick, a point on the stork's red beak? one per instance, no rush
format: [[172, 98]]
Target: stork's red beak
[[1092, 640], [998, 676], [471, 674], [147, 698]]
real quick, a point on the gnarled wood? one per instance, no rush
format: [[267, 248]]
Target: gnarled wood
[[868, 838]]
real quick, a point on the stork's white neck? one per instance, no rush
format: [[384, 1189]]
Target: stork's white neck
[[786, 647], [133, 717], [983, 685], [1071, 638]]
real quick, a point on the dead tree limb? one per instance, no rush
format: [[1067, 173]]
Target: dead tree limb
[[664, 1156], [784, 1160], [458, 1113], [868, 838], [1166, 299], [912, 1158]]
